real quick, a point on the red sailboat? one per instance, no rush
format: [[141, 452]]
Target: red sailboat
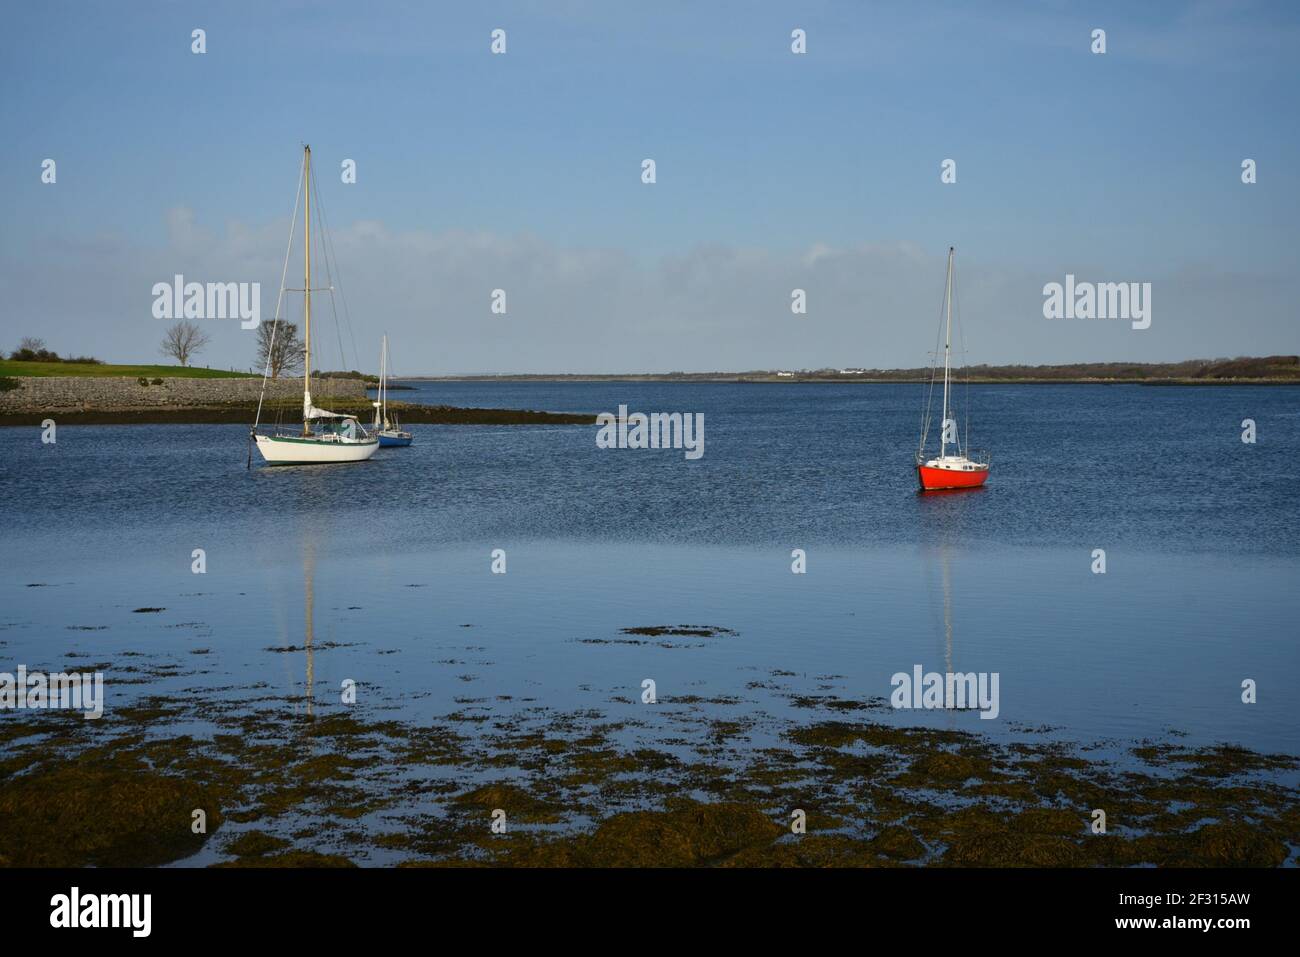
[[962, 468]]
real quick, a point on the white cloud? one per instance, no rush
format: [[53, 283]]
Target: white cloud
[[709, 307]]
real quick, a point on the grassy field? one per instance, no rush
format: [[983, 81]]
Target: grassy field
[[9, 367]]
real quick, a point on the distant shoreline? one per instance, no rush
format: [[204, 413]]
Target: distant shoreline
[[94, 395], [1246, 370], [858, 380], [1263, 370]]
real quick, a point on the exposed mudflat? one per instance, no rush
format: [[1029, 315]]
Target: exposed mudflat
[[319, 783]]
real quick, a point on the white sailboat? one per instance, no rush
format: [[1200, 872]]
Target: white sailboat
[[388, 429], [326, 436]]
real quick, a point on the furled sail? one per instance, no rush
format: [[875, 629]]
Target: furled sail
[[310, 411]]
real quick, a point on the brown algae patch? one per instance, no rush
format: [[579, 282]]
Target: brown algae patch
[[680, 631], [294, 859], [102, 810], [668, 636], [689, 834], [678, 787]]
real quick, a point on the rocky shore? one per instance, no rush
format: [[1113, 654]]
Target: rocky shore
[[123, 400]]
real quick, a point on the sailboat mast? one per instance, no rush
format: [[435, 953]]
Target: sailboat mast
[[947, 352], [383, 382], [306, 285]]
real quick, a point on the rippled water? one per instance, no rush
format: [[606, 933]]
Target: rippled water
[[1200, 533]]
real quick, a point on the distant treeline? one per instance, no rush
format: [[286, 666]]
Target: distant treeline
[[353, 374], [33, 350]]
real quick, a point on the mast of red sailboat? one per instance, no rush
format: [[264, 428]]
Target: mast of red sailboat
[[947, 349]]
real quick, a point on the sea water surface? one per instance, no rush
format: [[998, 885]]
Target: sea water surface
[[389, 565]]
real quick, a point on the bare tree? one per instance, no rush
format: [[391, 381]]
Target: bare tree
[[183, 341], [287, 352]]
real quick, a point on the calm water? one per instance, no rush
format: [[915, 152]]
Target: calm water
[[1201, 534]]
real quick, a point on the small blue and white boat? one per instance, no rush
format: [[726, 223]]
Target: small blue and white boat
[[389, 430]]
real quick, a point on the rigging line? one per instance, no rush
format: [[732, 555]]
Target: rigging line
[[934, 368], [284, 274], [316, 241], [329, 278], [927, 411], [389, 363], [347, 313], [965, 361], [929, 400], [329, 274]]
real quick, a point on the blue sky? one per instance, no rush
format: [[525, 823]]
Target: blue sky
[[522, 172]]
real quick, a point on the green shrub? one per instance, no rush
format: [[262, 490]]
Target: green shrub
[[142, 380]]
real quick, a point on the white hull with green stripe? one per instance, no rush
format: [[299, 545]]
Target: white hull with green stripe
[[316, 449]]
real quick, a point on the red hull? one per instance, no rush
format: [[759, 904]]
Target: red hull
[[932, 479]]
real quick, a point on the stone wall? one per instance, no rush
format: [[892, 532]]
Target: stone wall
[[121, 393]]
